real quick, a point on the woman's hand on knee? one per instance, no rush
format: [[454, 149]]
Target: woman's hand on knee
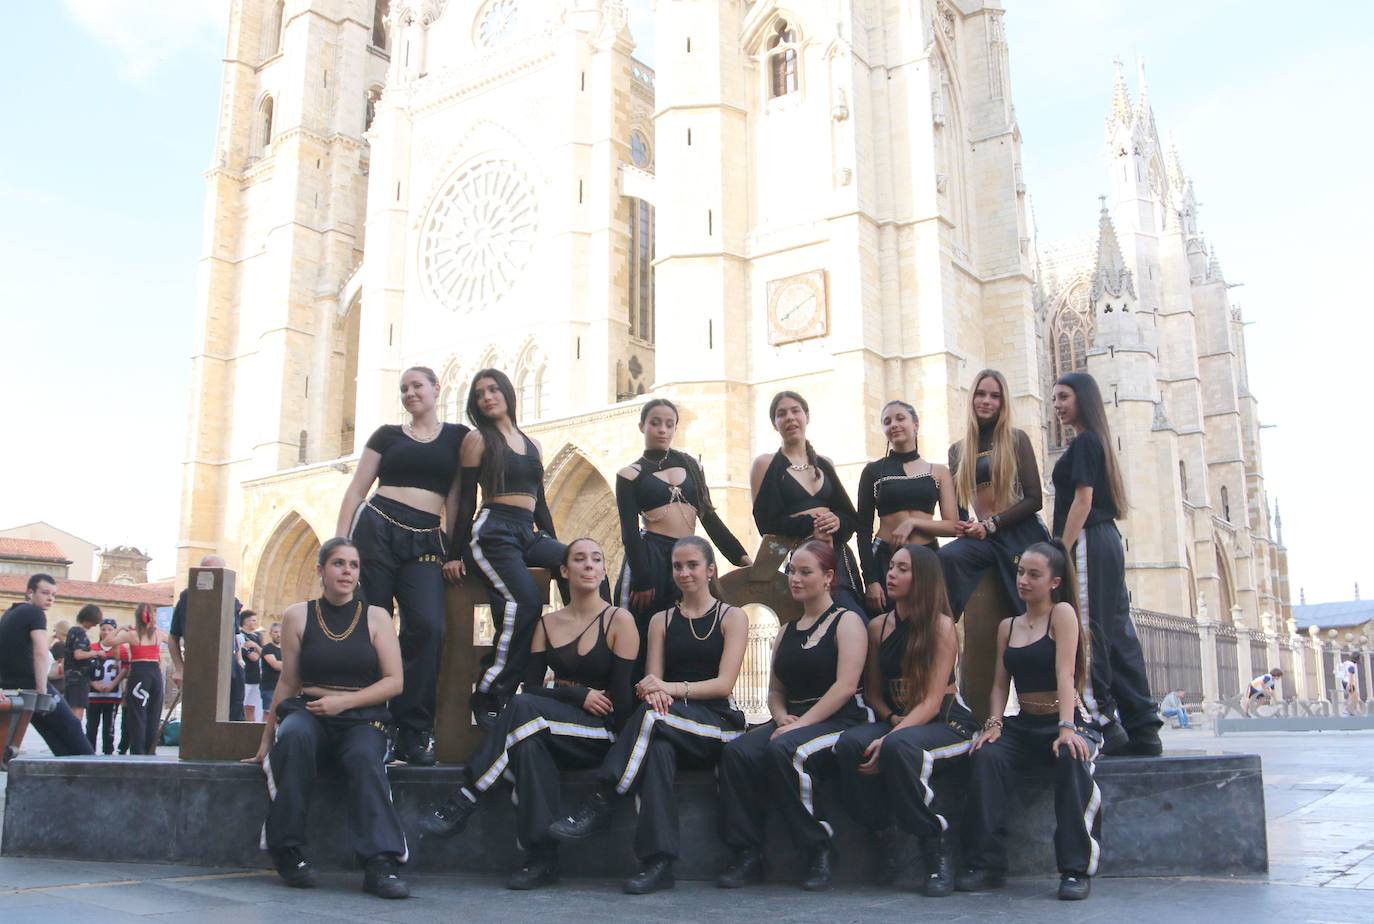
[[1076, 743], [454, 571]]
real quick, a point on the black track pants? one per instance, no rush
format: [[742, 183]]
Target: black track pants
[[1025, 743], [904, 788], [645, 758], [535, 738], [306, 744], [143, 706], [966, 559], [758, 771], [98, 714], [60, 729]]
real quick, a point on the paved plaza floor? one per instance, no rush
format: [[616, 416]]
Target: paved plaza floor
[[1319, 794]]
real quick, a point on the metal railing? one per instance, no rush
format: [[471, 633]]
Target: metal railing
[[1259, 653], [1173, 654], [1228, 667], [751, 689]]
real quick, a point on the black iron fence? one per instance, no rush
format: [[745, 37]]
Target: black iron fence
[[1173, 655], [1228, 669]]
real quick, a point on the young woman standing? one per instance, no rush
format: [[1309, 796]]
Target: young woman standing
[[812, 696], [1044, 652], [1089, 498], [798, 494], [686, 717], [886, 767], [590, 646], [512, 533], [143, 693], [998, 489], [667, 490], [341, 664], [401, 543], [902, 489]]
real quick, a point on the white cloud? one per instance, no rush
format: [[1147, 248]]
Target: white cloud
[[145, 33]]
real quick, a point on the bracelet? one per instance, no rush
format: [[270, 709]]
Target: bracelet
[[686, 692], [992, 723], [1069, 725]]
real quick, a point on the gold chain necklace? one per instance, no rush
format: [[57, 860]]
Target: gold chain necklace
[[715, 617], [338, 637]]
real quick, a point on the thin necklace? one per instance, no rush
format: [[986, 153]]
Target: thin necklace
[[410, 432], [319, 617], [715, 617], [657, 463]]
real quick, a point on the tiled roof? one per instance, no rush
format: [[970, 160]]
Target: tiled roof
[[32, 550], [1334, 615], [156, 594]]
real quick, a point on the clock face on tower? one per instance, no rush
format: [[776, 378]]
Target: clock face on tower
[[797, 308], [478, 235]]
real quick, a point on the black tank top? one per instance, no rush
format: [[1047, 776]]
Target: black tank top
[[807, 672], [894, 490], [523, 474], [338, 653], [891, 654], [692, 648], [1032, 666], [591, 670]]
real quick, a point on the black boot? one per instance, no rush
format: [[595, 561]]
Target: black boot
[[1074, 887], [979, 880], [1144, 742], [887, 862], [451, 816], [818, 872], [294, 869], [939, 880], [592, 816], [1115, 741], [540, 869], [656, 875], [379, 878], [413, 747], [746, 868]]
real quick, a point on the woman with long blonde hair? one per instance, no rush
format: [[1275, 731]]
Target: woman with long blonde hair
[[998, 490]]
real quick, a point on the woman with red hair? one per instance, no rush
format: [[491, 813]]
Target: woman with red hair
[[143, 694]]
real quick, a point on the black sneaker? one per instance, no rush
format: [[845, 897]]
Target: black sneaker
[[1074, 887], [887, 859], [1144, 742], [540, 869], [486, 709], [818, 869], [380, 879], [746, 868], [592, 816], [413, 747], [294, 869], [452, 815], [1115, 741], [939, 880], [979, 880], [656, 875]]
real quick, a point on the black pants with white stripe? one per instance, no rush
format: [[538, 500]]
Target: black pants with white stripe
[[504, 546], [143, 706], [758, 771], [911, 762], [404, 568], [996, 767], [966, 559], [356, 750], [658, 551], [646, 755], [535, 738], [1119, 685]]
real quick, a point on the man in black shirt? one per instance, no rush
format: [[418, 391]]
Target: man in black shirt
[[24, 664], [271, 668], [78, 660], [251, 650], [177, 632]]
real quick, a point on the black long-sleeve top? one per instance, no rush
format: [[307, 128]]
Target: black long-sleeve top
[[647, 492], [884, 488], [1027, 477], [774, 514]]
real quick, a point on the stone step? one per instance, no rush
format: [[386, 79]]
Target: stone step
[[1179, 815]]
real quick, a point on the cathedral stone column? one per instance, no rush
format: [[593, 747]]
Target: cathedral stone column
[[1243, 665], [1316, 644], [1207, 642]]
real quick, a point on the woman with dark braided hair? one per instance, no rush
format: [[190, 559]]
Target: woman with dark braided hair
[[886, 767], [797, 494], [667, 490], [1046, 655], [901, 489]]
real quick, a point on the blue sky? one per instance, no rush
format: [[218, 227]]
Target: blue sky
[[101, 201]]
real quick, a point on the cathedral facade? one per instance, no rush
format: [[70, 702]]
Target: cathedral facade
[[818, 195]]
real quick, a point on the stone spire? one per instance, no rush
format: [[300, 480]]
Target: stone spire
[[1144, 115], [1111, 277], [1121, 98], [1278, 524], [1213, 264]]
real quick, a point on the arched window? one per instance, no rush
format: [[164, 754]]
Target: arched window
[[453, 393], [1183, 478], [641, 270], [265, 125], [370, 113], [1225, 505], [379, 14], [1224, 579], [533, 395], [1070, 333], [276, 26], [783, 57]]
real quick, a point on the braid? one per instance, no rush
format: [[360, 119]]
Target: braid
[[812, 460]]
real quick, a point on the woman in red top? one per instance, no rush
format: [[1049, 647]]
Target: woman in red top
[[143, 700]]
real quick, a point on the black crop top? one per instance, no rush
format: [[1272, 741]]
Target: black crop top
[[575, 673], [342, 658], [408, 463], [1027, 488], [1084, 462], [781, 498], [891, 655], [1032, 666], [648, 492], [885, 488], [686, 654]]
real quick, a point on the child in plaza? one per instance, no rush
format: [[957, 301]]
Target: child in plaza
[[1261, 691]]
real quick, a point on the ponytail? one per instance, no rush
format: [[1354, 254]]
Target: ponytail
[[1062, 566]]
